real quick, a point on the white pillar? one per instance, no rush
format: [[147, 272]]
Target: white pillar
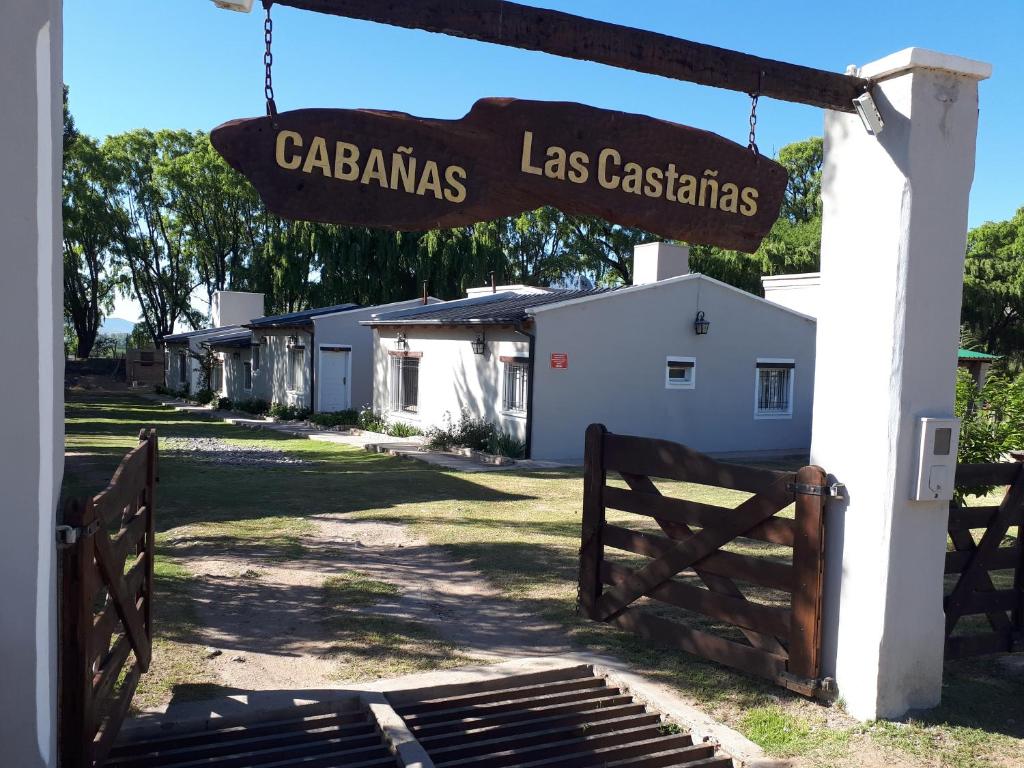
[[892, 253], [31, 330]]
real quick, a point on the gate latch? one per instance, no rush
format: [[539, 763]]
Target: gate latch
[[69, 535], [835, 490]]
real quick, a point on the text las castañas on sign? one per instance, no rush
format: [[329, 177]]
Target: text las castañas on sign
[[395, 171]]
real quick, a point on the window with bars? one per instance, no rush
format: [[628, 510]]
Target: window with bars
[[405, 384], [182, 371], [217, 377], [515, 390], [773, 394], [255, 357], [680, 372], [296, 360], [247, 375]]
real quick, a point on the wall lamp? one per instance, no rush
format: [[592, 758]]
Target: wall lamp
[[479, 345], [401, 342], [700, 325]]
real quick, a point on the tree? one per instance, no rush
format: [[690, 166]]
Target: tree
[[90, 223], [151, 242], [993, 304], [603, 249]]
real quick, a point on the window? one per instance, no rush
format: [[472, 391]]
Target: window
[[680, 372], [217, 377], [255, 357], [167, 362], [247, 375], [296, 359], [516, 378], [146, 356], [405, 384], [181, 368], [773, 390]]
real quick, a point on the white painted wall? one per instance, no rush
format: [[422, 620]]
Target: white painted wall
[[452, 377], [235, 308], [801, 293], [618, 344], [653, 262], [31, 345], [893, 241], [270, 382]]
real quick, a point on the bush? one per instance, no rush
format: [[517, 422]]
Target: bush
[[470, 432], [401, 429], [504, 444], [372, 422], [160, 389], [205, 396], [225, 404], [347, 418], [253, 405], [991, 420], [283, 412]]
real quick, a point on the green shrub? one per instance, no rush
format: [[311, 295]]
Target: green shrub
[[401, 429], [283, 412], [991, 420], [470, 432], [225, 404], [346, 418], [160, 389], [205, 396], [182, 393], [372, 422], [504, 444], [253, 405]]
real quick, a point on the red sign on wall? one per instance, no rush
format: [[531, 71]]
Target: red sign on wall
[[559, 359]]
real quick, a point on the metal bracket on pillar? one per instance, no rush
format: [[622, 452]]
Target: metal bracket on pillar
[[834, 490]]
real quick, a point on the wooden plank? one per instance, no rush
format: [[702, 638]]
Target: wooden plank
[[591, 547], [775, 530], [128, 480], [675, 635], [1005, 473], [1002, 559], [765, 573], [576, 37], [964, 541], [107, 675], [118, 711], [808, 567], [684, 554], [131, 534], [75, 624], [979, 645], [738, 611], [662, 458], [126, 607], [150, 542], [108, 620], [966, 518], [991, 601], [720, 584], [960, 597]]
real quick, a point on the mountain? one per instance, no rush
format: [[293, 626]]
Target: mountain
[[112, 325]]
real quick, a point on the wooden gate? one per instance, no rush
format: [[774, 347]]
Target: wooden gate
[[106, 605], [781, 638], [986, 577]]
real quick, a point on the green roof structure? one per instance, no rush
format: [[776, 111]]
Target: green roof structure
[[970, 354]]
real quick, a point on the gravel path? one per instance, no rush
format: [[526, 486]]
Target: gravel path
[[212, 449]]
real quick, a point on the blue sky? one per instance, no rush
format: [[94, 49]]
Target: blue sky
[[186, 64]]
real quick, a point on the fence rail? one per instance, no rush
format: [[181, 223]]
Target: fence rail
[[106, 620], [783, 642], [989, 571]]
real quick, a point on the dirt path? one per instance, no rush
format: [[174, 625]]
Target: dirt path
[[266, 618]]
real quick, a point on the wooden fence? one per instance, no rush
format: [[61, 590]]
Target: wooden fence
[[986, 577], [106, 609], [782, 641]]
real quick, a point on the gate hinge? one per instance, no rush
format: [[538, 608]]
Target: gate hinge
[[69, 535], [835, 490]]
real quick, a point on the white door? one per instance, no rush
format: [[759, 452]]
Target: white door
[[334, 379]]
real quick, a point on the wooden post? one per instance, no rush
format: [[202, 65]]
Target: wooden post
[[150, 539], [1017, 615], [75, 616], [591, 549], [808, 569]]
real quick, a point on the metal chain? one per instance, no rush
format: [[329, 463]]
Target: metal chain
[[752, 136], [268, 63]]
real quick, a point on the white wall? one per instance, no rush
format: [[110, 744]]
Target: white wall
[[800, 293], [270, 382], [618, 345], [235, 308], [32, 353], [452, 377]]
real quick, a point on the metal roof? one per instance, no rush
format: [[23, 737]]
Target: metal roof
[[240, 338], [206, 335], [494, 309], [298, 318], [970, 354]]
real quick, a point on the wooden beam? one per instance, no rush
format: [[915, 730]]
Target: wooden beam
[[576, 37]]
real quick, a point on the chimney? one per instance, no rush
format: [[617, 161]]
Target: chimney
[[653, 262], [494, 284], [235, 307], [424, 292]]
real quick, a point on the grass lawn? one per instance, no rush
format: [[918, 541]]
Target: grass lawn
[[521, 530]]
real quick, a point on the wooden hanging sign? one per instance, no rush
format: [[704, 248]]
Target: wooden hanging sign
[[395, 171]]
